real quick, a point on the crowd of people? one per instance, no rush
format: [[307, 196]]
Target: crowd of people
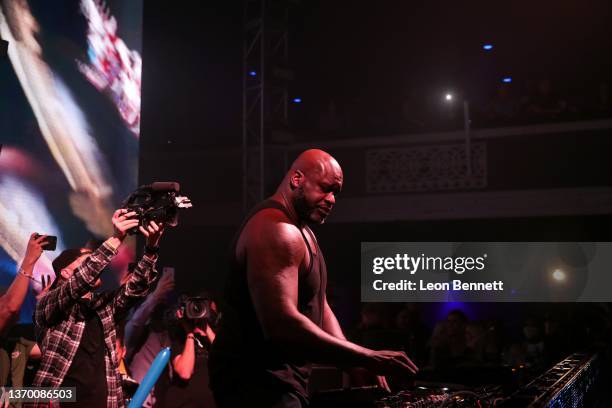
[[103, 343], [536, 341], [506, 104]]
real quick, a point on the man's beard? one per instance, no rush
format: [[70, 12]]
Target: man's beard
[[301, 206]]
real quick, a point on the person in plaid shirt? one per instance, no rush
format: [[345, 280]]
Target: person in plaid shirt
[[75, 328]]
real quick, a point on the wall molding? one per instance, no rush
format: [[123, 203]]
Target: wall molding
[[474, 205]]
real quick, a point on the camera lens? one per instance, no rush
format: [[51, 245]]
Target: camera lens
[[196, 308]]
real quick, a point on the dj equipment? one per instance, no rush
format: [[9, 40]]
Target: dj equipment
[[358, 397], [565, 385], [419, 397]]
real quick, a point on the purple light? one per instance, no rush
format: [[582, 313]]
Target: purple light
[[487, 47]]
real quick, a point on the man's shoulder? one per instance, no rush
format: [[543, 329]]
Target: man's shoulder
[[271, 214], [271, 222], [270, 231]]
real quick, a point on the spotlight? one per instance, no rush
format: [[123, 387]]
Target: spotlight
[[507, 80], [487, 47], [558, 275], [297, 100], [252, 73], [448, 97]]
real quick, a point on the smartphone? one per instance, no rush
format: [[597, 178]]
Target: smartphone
[[168, 270], [50, 242]]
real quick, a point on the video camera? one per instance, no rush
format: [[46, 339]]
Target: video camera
[[157, 202]]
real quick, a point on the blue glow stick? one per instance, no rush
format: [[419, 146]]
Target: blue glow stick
[[150, 379]]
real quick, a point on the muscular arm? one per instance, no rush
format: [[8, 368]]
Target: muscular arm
[[330, 323], [274, 250]]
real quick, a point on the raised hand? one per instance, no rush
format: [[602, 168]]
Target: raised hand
[[153, 233], [45, 283], [123, 222], [187, 324], [164, 286], [34, 249]]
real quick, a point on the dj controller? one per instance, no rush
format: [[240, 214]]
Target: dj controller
[[418, 397], [564, 385], [426, 397]]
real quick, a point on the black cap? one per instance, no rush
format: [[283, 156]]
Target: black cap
[[67, 257]]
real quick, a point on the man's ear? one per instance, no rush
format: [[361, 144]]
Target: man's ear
[[65, 273], [296, 179]]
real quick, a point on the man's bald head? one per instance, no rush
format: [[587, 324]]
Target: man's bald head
[[312, 183], [315, 161]]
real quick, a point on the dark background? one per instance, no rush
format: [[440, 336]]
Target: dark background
[[376, 55]]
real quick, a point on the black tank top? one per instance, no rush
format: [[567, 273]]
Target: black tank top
[[240, 357]]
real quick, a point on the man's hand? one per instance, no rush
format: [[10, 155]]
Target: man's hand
[[187, 324], [360, 377], [164, 286], [122, 222], [386, 362], [45, 283], [382, 383], [34, 249], [153, 233]]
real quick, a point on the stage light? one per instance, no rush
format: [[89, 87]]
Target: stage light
[[448, 97], [558, 275], [487, 47], [252, 73], [297, 100], [507, 80]]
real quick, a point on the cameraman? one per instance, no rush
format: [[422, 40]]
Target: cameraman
[[187, 383], [76, 328], [11, 301]]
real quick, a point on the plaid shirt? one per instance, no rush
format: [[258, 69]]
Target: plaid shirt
[[59, 329]]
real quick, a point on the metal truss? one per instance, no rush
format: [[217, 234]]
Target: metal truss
[[265, 77]]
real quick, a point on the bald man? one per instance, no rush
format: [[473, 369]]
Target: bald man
[[277, 318]]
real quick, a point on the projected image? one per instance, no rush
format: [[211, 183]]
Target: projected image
[[69, 125]]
